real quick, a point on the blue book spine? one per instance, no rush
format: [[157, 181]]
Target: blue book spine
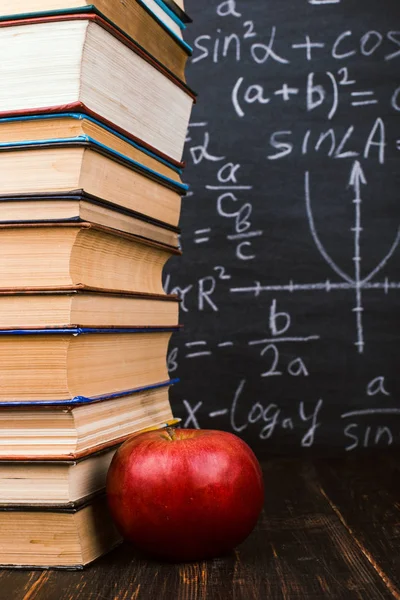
[[163, 179], [81, 117], [83, 400], [87, 330], [171, 14]]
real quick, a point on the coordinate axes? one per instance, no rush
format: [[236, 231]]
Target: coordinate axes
[[355, 281]]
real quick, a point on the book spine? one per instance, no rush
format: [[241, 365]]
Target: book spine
[[81, 195], [60, 12], [180, 13], [75, 331], [184, 45], [82, 117], [80, 107], [87, 141], [171, 14], [78, 400]]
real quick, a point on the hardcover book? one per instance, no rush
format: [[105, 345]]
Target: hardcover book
[[146, 23], [60, 64], [73, 430], [44, 365], [63, 537], [177, 8], [62, 256], [48, 480], [80, 127], [81, 208], [83, 308], [83, 166]]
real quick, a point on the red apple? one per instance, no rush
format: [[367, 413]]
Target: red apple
[[185, 494]]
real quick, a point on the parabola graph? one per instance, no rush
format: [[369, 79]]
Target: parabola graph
[[357, 282]]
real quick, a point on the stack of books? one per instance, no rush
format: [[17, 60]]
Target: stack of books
[[94, 109]]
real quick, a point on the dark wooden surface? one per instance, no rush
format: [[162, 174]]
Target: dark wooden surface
[[329, 529]]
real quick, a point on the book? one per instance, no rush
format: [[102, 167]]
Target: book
[[146, 23], [62, 64], [49, 483], [173, 20], [56, 537], [177, 8], [60, 481], [85, 308], [72, 432], [43, 365], [80, 208], [68, 255], [179, 4], [75, 127], [81, 166]]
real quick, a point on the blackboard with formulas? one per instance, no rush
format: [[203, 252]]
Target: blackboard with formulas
[[290, 275]]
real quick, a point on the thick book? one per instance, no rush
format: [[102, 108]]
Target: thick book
[[54, 167], [44, 365], [56, 537], [60, 64], [86, 308], [61, 256], [80, 127], [149, 24], [47, 481], [78, 207], [74, 431]]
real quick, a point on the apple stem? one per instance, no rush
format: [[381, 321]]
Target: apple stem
[[170, 433]]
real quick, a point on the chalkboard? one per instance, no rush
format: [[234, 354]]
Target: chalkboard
[[290, 279]]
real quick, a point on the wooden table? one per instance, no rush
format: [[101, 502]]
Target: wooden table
[[329, 529]]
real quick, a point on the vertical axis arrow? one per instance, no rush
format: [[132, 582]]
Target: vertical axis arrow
[[357, 178]]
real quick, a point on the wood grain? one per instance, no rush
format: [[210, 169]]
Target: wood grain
[[365, 494], [329, 529], [312, 555]]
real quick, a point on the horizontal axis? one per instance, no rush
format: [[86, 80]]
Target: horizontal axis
[[325, 286]]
